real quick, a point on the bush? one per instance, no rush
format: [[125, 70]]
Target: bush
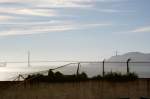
[[82, 76], [98, 77], [59, 77], [113, 76], [51, 74], [56, 77]]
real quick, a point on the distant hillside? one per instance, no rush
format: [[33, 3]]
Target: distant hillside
[[134, 56]]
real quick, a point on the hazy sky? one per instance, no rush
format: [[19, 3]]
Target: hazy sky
[[72, 29]]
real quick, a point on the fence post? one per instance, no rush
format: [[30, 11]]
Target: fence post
[[103, 67], [128, 69], [78, 69]]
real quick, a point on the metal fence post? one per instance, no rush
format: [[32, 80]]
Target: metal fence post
[[78, 69], [128, 69], [103, 67]]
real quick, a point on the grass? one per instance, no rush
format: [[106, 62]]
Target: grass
[[59, 77]]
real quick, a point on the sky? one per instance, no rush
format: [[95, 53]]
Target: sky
[[72, 29]]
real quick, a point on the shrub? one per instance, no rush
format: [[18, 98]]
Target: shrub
[[51, 74], [82, 76], [114, 76], [59, 77], [98, 77]]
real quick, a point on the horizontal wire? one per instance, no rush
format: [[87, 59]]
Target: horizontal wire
[[75, 61]]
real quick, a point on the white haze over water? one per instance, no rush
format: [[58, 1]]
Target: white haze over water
[[92, 69]]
